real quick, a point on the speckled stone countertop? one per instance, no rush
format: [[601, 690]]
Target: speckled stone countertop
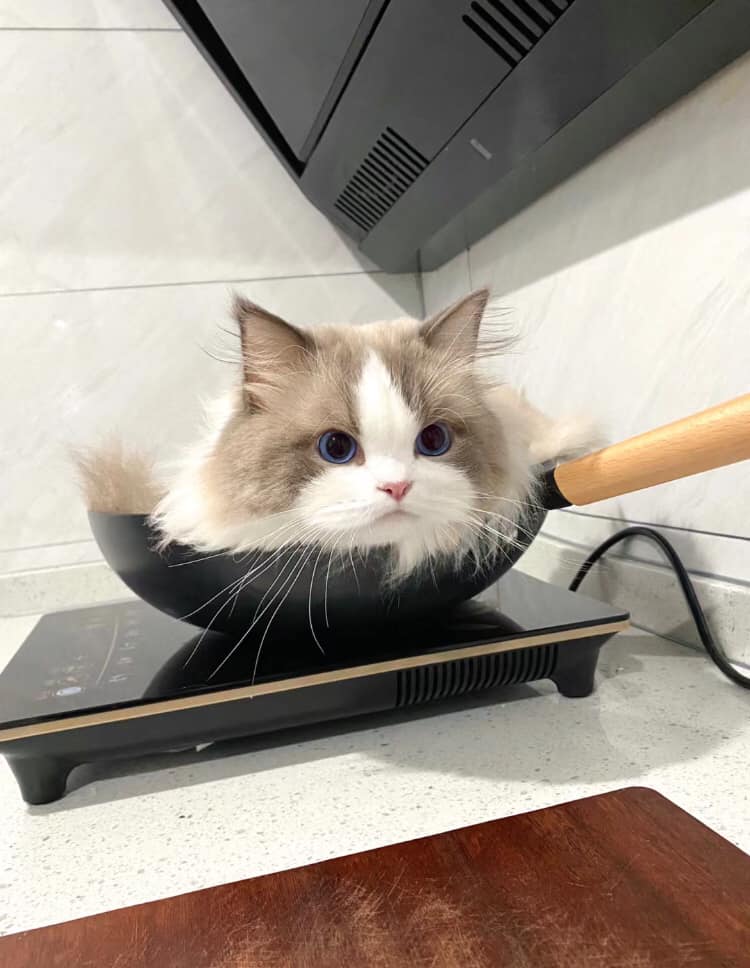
[[141, 829]]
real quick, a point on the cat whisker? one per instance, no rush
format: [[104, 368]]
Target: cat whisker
[[237, 584], [501, 548], [228, 551], [208, 601], [446, 502], [246, 633], [351, 560], [325, 587], [262, 567], [488, 529], [258, 552], [270, 595], [534, 505], [197, 561], [256, 571], [280, 578], [299, 539], [334, 509], [291, 585], [499, 540], [515, 524], [503, 538], [508, 500], [459, 505], [309, 601], [219, 359], [216, 614]]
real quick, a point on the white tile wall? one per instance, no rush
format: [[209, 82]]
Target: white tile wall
[[86, 14], [134, 195], [125, 162], [630, 284]]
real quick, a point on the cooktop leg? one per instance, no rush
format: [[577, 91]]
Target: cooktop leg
[[42, 779]]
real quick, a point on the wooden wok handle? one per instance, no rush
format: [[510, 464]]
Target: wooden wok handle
[[712, 438]]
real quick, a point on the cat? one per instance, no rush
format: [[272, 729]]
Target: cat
[[385, 435]]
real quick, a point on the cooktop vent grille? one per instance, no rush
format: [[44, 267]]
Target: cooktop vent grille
[[445, 679]]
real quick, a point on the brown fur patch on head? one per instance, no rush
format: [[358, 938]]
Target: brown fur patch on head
[[455, 330], [265, 455], [272, 350]]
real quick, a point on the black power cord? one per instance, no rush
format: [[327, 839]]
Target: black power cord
[[714, 651]]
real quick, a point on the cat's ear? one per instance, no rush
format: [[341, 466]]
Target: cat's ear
[[272, 351], [456, 328]]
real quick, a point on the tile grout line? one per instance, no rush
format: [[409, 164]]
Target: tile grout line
[[694, 646], [93, 30], [652, 524], [50, 544], [649, 592], [671, 527], [195, 282], [420, 283], [65, 566], [628, 559], [636, 562]]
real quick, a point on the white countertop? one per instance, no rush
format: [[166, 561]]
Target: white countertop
[[137, 830]]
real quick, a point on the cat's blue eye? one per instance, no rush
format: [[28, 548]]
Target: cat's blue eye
[[433, 440], [337, 447]]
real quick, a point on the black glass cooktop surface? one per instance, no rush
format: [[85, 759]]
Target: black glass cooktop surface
[[129, 653]]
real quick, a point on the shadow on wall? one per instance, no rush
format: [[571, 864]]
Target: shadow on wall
[[690, 156], [413, 305], [396, 286]]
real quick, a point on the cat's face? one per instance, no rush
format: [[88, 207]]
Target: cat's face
[[355, 437]]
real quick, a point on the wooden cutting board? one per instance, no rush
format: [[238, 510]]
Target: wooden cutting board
[[624, 880]]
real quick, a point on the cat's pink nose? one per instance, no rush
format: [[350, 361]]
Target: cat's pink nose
[[397, 489]]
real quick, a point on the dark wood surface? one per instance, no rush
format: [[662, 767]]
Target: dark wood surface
[[623, 880]]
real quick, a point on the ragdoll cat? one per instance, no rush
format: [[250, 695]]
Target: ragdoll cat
[[351, 437]]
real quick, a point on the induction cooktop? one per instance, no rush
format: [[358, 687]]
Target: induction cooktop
[[123, 678]]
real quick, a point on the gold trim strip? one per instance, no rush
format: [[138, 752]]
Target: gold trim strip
[[301, 682]]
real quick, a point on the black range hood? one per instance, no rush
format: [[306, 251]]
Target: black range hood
[[420, 125]]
